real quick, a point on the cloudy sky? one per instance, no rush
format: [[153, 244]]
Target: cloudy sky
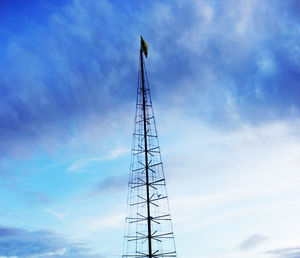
[[225, 81]]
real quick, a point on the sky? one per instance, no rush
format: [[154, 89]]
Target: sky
[[225, 84]]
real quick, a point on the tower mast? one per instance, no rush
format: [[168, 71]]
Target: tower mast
[[149, 231], [146, 157]]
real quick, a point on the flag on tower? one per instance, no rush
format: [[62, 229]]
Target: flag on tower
[[144, 46]]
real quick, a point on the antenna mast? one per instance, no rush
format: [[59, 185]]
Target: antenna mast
[[146, 158], [149, 231]]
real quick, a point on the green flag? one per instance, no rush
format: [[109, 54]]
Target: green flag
[[144, 47]]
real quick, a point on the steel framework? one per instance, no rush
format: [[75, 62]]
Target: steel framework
[[149, 231]]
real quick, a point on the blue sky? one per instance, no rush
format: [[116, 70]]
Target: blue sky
[[225, 86]]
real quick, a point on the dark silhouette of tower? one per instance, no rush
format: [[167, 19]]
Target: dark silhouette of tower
[[149, 231]]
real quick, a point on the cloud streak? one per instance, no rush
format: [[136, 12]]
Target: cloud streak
[[79, 165], [253, 241], [23, 243], [292, 252]]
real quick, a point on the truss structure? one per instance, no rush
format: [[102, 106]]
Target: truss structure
[[149, 231]]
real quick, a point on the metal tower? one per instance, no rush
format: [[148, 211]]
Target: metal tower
[[149, 230]]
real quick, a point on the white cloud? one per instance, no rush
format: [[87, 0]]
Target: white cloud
[[78, 165], [109, 222], [55, 213], [232, 182], [253, 241]]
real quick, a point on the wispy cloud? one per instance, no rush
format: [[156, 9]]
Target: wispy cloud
[[292, 252], [108, 222], [253, 241], [111, 184], [55, 213], [79, 165], [16, 242]]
